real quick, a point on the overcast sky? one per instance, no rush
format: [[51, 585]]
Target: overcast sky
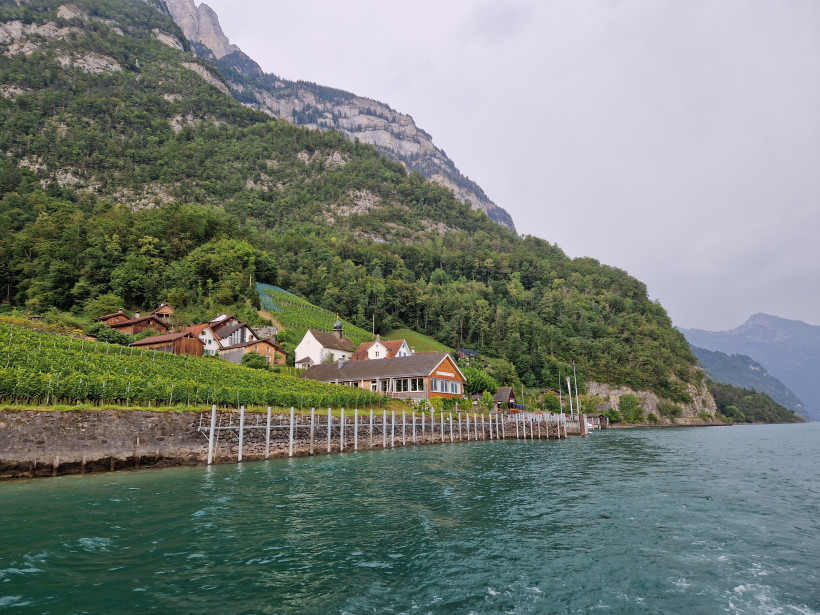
[[676, 139]]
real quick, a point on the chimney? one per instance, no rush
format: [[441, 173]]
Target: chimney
[[378, 337], [342, 363], [137, 315], [413, 350]]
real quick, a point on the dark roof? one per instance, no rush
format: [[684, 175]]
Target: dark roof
[[417, 365], [134, 321], [107, 316], [329, 340], [225, 331], [163, 339], [466, 352], [503, 394]]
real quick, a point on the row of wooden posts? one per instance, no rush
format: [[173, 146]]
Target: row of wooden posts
[[495, 426]]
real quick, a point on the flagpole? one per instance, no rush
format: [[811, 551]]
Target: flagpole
[[569, 394], [577, 399]]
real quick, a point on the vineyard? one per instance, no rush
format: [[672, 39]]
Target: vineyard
[[296, 315], [46, 369]]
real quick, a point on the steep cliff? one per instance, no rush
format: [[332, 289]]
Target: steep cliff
[[307, 104]]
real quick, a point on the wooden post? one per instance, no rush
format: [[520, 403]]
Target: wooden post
[[312, 427], [490, 421], [267, 436], [483, 428], [371, 428], [356, 429], [460, 432], [211, 436], [538, 420], [329, 426], [452, 437], [443, 439], [414, 426], [423, 416], [475, 425], [432, 428], [403, 428], [393, 429], [290, 439], [468, 427], [342, 431], [503, 432], [384, 429], [241, 430]]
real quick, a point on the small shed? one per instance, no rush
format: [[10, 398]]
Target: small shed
[[175, 343], [504, 398], [164, 313]]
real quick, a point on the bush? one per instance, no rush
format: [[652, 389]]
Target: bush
[[652, 417], [704, 416], [613, 415], [669, 410], [255, 360], [629, 409], [104, 333]]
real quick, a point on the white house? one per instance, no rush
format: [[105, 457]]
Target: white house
[[208, 337], [382, 349], [318, 347]]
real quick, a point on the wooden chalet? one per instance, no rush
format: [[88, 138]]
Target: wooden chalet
[[164, 313], [266, 348], [113, 319], [419, 376], [138, 324], [174, 343]]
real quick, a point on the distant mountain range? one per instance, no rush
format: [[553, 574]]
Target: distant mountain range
[[314, 106], [788, 349], [742, 371]]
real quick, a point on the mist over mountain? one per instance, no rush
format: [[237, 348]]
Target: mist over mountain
[[788, 349], [314, 106]]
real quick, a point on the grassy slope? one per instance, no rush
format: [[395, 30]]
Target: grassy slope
[[420, 342]]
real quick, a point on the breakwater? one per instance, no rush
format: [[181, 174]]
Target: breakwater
[[37, 444]]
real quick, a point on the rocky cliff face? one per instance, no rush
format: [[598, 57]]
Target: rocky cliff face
[[702, 400], [306, 104]]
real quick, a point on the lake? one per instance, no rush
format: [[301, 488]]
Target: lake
[[689, 520]]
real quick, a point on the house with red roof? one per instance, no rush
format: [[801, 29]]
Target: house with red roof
[[381, 349]]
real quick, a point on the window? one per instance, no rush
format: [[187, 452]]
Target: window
[[373, 386], [385, 385]]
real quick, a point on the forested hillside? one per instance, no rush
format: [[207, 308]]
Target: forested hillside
[[130, 174]]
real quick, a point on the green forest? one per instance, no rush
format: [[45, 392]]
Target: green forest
[[748, 406], [146, 184]]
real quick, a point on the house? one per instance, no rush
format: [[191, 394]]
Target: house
[[113, 319], [175, 343], [504, 398], [138, 324], [206, 334], [267, 348], [466, 353], [230, 332], [381, 349], [317, 347], [415, 377], [164, 313]]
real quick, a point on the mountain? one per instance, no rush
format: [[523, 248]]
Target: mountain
[[742, 371], [789, 350], [308, 104], [130, 176]]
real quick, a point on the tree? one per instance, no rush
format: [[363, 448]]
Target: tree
[[479, 381]]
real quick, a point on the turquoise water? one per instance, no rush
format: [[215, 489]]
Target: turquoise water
[[698, 520]]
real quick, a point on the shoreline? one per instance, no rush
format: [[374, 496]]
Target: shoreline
[[42, 443]]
